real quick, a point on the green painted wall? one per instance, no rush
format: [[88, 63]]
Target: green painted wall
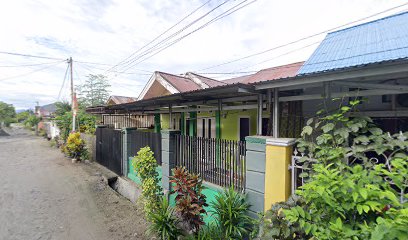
[[210, 191], [193, 124], [164, 121], [157, 124], [230, 123], [132, 174]]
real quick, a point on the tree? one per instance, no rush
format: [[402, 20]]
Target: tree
[[7, 113], [94, 91], [62, 108], [22, 116]]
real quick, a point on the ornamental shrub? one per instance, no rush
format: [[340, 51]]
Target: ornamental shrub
[[274, 224], [190, 201], [163, 222], [230, 211], [358, 179], [75, 145], [145, 166]]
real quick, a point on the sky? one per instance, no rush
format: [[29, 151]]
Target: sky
[[104, 36]]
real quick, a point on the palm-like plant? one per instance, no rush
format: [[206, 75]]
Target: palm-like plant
[[230, 209], [163, 222]]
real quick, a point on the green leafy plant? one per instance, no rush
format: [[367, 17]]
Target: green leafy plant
[[190, 202], [275, 225], [7, 114], [207, 232], [75, 146], [163, 222], [230, 211], [32, 121], [145, 166], [358, 179]]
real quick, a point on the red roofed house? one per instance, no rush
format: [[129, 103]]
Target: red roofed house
[[234, 124]]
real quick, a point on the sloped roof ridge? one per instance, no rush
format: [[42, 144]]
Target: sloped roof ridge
[[280, 66], [174, 75], [369, 22], [207, 78]]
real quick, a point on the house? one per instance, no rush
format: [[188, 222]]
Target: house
[[46, 110], [47, 114], [113, 100], [263, 112], [367, 60]]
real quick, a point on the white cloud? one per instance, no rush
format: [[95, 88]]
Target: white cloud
[[110, 30]]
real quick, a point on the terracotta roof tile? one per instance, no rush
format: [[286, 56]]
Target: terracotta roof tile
[[289, 70], [182, 84], [237, 79], [122, 99], [209, 81], [284, 71]]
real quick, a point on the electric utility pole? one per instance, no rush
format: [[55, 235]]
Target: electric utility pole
[[73, 97]]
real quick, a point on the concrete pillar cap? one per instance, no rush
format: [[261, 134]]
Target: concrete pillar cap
[[284, 142]]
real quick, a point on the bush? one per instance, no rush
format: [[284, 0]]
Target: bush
[[274, 224], [163, 222], [190, 202], [145, 166], [75, 146], [207, 232], [358, 180], [32, 121], [230, 211]]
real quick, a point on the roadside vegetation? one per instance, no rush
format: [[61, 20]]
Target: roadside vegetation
[[185, 219], [356, 188], [7, 114]]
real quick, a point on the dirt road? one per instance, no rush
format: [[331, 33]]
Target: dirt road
[[44, 196]]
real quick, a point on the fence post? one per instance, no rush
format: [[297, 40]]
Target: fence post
[[267, 171], [168, 156], [255, 173], [279, 153], [125, 149]]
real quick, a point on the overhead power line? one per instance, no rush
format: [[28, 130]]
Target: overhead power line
[[157, 37], [63, 82], [28, 65], [146, 72], [167, 39], [303, 38], [220, 16], [29, 73], [31, 56]]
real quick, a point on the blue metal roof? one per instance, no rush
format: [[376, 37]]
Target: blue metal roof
[[381, 40]]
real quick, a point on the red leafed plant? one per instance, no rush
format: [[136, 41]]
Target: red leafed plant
[[190, 202]]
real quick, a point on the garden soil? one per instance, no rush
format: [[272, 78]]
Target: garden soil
[[45, 196]]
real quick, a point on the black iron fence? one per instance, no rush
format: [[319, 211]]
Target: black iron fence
[[218, 161], [138, 139], [109, 149]]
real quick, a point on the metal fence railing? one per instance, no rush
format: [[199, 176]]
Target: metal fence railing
[[138, 139], [127, 120], [109, 149], [218, 161]]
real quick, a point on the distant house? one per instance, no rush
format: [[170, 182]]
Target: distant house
[[113, 100], [46, 110], [47, 114]]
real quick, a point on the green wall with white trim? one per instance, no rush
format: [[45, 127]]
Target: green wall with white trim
[[229, 121]]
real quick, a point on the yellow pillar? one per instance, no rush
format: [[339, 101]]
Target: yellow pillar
[[277, 174]]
